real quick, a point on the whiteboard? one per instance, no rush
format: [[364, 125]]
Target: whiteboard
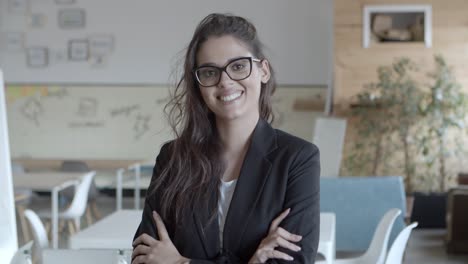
[[124, 122], [149, 38]]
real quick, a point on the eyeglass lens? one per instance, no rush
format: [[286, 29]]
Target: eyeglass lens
[[236, 70]]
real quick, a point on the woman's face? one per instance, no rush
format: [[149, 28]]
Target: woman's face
[[230, 99]]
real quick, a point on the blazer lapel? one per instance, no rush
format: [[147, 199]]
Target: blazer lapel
[[254, 173]]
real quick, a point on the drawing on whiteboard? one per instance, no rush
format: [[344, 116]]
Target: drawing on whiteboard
[[59, 92], [32, 110], [141, 125], [124, 110], [87, 124], [87, 107]]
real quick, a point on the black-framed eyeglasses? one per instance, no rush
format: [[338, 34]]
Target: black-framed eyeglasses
[[237, 69]]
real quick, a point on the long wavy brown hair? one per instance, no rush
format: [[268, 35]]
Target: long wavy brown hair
[[194, 168]]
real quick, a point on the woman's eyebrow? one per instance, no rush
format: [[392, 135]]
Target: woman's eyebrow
[[229, 61]]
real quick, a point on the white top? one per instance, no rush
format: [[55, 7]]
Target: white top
[[226, 190]]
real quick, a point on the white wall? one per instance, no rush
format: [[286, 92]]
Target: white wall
[[8, 239], [149, 33]]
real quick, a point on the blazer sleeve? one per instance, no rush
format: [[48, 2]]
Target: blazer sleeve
[[147, 224], [303, 197]]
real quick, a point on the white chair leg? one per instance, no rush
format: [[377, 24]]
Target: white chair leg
[[89, 217], [71, 227], [96, 212], [77, 224]]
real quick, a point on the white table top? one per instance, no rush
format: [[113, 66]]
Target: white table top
[[115, 231], [44, 181], [88, 256]]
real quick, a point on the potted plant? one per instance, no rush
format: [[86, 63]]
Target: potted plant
[[386, 114], [444, 108]]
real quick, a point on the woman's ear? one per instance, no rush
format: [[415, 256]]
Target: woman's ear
[[265, 71]]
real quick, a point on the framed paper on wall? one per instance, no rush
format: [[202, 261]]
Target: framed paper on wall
[[71, 18], [397, 23], [13, 41], [78, 50], [101, 44], [37, 57], [18, 6]]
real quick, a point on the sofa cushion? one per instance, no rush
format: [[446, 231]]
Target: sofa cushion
[[359, 203]]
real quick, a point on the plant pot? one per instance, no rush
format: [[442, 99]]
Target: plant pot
[[429, 210]]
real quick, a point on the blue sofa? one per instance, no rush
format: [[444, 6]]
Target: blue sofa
[[359, 203]]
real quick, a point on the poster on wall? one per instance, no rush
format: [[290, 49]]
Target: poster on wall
[[37, 57], [78, 49], [71, 18], [18, 6]]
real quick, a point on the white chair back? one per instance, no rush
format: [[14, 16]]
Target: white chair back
[[78, 205], [377, 250], [329, 135], [395, 254], [39, 234], [38, 229], [23, 255]]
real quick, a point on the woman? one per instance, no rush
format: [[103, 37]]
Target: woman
[[229, 188]]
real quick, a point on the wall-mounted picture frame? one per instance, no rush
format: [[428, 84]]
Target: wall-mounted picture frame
[[18, 6], [13, 41], [397, 23], [64, 2], [78, 50], [71, 18], [101, 44], [37, 57], [37, 20]]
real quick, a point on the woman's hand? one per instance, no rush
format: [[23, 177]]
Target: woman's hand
[[277, 236], [150, 250]]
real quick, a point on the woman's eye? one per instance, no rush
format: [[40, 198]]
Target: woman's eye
[[237, 66], [209, 73]]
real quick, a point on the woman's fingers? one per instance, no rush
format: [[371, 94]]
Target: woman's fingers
[[140, 250], [286, 244], [289, 236], [275, 254], [144, 239], [140, 259], [275, 223], [162, 231]]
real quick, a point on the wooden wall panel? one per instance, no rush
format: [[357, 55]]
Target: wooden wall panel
[[355, 66]]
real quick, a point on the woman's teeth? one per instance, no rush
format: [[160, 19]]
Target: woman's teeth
[[231, 97]]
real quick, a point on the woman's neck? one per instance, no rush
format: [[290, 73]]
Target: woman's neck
[[235, 134]]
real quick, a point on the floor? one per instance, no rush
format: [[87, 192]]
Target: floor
[[426, 246]]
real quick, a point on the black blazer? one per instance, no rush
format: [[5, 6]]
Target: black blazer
[[280, 171]]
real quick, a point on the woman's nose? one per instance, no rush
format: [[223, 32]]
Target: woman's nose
[[225, 79]]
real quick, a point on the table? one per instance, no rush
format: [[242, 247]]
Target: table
[[52, 182], [117, 230], [327, 239], [88, 256], [114, 231]]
